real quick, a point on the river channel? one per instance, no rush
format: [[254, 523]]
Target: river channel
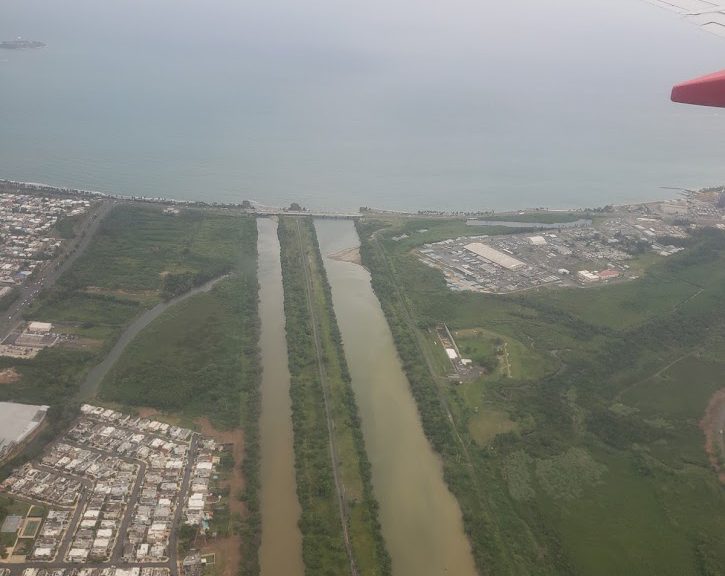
[[420, 518], [280, 553]]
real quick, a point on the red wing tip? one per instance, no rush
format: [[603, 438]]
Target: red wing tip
[[706, 90]]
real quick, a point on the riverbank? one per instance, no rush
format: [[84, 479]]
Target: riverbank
[[421, 521], [602, 439]]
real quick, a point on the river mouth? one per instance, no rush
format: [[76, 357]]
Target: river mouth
[[420, 518]]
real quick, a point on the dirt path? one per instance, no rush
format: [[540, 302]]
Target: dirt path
[[713, 425]]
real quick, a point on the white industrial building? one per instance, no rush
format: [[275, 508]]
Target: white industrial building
[[39, 327], [17, 421], [493, 255]]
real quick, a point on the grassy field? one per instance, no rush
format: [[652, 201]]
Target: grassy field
[[323, 550], [189, 359], [139, 248], [588, 459], [139, 256]]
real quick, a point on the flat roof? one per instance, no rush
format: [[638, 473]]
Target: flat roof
[[40, 326], [19, 420], [493, 255]]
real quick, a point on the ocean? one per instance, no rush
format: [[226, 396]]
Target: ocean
[[396, 104]]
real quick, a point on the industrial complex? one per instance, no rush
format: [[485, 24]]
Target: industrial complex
[[569, 254]]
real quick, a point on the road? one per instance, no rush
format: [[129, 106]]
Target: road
[[49, 272], [183, 495]]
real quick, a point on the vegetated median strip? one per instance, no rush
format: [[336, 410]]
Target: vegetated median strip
[[341, 532], [339, 488]]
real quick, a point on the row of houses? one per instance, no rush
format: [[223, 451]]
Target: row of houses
[[106, 571], [99, 527], [204, 467], [43, 486], [49, 538], [27, 233]]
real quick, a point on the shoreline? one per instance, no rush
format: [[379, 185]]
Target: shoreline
[[250, 206]]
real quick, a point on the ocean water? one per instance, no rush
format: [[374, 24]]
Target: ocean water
[[398, 104]]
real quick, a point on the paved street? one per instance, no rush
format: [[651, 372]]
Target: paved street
[[51, 270]]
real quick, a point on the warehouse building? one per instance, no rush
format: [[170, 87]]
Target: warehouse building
[[495, 256]]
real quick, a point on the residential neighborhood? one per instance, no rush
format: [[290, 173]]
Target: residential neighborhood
[[113, 491]]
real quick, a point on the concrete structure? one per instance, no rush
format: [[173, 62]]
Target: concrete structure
[[17, 422], [39, 327], [587, 276], [537, 240], [493, 255]]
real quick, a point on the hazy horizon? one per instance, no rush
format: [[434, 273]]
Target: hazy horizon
[[394, 105]]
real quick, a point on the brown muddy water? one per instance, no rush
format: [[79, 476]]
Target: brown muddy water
[[280, 553], [420, 518]]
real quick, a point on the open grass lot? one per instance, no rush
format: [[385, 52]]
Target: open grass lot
[[188, 360], [323, 550], [589, 459], [140, 248]]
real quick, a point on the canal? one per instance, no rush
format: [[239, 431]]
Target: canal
[[420, 518], [280, 553]]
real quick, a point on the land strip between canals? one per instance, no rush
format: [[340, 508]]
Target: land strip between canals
[[340, 529]]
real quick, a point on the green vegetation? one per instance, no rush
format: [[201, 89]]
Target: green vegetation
[[188, 360], [120, 274], [187, 534], [540, 217], [307, 293], [597, 466], [7, 300], [139, 248], [66, 226]]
